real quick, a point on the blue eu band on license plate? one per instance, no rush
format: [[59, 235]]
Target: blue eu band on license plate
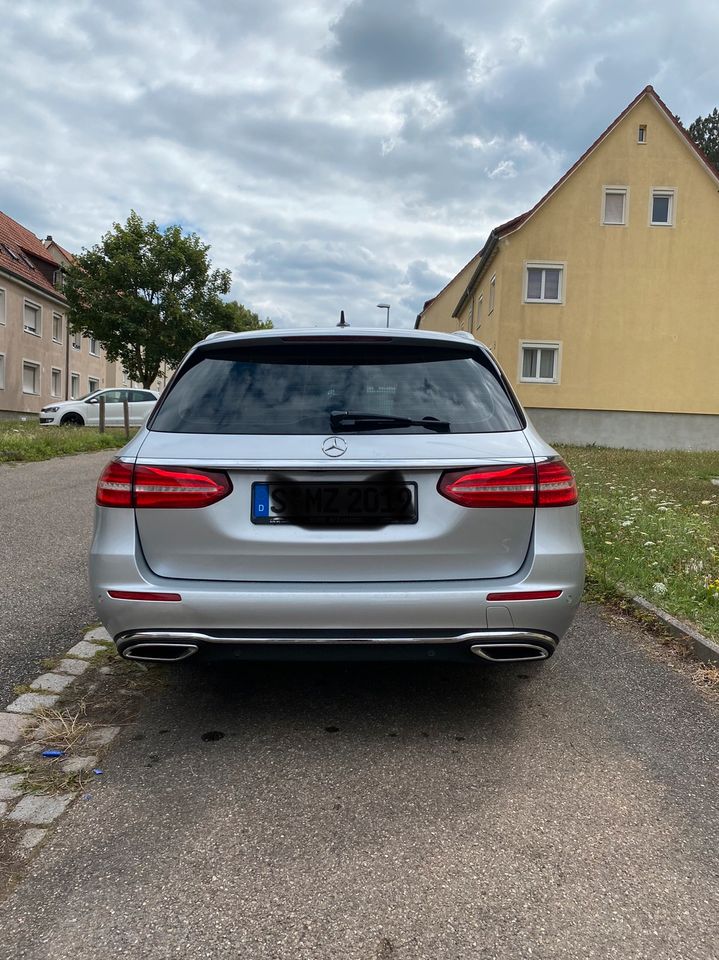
[[334, 504]]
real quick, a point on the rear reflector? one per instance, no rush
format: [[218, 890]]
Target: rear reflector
[[547, 484], [526, 595], [128, 485], [140, 595]]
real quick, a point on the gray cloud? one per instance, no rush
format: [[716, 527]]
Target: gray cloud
[[380, 44]]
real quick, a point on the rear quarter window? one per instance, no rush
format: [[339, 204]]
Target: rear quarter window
[[292, 388]]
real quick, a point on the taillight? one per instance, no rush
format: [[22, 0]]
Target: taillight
[[556, 484], [125, 485], [549, 484], [178, 486], [496, 486], [114, 488]]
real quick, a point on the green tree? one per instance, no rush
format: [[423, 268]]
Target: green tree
[[147, 295], [239, 318], [705, 133]]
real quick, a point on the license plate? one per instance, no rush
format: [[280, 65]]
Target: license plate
[[334, 504]]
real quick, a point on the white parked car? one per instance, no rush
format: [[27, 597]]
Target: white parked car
[[86, 410]]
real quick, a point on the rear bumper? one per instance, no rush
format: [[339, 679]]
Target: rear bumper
[[387, 616], [490, 645]]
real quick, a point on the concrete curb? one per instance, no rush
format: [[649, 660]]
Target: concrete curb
[[34, 813], [703, 648]]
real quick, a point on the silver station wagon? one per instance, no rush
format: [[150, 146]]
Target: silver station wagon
[[337, 493]]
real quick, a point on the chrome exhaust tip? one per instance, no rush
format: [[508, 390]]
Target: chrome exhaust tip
[[510, 652], [159, 652]]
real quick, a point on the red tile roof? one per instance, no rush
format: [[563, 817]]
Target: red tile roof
[[19, 249], [511, 225]]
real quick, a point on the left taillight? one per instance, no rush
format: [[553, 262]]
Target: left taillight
[[114, 488], [144, 486]]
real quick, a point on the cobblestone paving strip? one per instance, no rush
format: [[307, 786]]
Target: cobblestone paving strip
[[29, 803]]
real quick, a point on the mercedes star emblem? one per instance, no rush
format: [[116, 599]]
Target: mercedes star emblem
[[334, 446]]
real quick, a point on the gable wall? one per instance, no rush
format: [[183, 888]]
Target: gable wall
[[639, 327]]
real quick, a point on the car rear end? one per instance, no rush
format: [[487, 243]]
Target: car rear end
[[337, 494]]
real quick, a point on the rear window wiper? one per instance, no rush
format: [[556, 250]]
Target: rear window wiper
[[345, 420]]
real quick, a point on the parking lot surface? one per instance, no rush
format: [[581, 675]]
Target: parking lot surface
[[367, 812]]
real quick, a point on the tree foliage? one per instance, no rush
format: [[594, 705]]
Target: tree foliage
[[239, 318], [147, 295], [705, 133]]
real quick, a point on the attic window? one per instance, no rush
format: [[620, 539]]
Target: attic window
[[642, 133], [9, 251]]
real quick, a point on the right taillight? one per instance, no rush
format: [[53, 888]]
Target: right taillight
[[556, 486], [128, 485], [547, 484]]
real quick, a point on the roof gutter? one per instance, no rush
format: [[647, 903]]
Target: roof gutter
[[488, 251]]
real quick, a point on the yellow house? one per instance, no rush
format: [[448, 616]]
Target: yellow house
[[601, 303]]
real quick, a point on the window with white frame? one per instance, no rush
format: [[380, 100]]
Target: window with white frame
[[614, 206], [544, 283], [642, 133], [662, 209], [539, 362], [30, 377], [32, 318], [76, 341], [470, 321], [93, 347], [492, 292], [55, 382], [2, 371], [93, 384], [74, 386], [480, 302], [2, 305], [57, 327]]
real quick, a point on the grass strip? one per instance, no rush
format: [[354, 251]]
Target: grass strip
[[650, 521], [25, 441]]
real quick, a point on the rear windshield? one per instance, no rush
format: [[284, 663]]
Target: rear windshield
[[292, 388]]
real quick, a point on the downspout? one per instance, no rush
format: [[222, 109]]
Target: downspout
[[67, 358]]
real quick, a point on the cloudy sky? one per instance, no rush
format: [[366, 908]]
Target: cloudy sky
[[334, 154]]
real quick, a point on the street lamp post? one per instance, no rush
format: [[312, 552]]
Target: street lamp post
[[384, 306]]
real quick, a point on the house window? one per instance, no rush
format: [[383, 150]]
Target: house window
[[492, 292], [32, 315], [479, 310], [30, 377], [544, 283], [57, 327], [93, 347], [470, 322], [2, 305], [2, 371], [539, 362], [92, 384], [615, 205], [74, 386], [642, 133], [662, 211], [76, 341], [55, 382]]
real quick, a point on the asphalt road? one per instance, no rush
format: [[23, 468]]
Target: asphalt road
[[396, 813], [46, 512]]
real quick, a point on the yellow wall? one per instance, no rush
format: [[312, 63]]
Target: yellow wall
[[639, 326], [438, 315]]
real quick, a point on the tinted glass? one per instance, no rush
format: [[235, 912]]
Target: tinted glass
[[292, 389], [660, 210], [551, 284]]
